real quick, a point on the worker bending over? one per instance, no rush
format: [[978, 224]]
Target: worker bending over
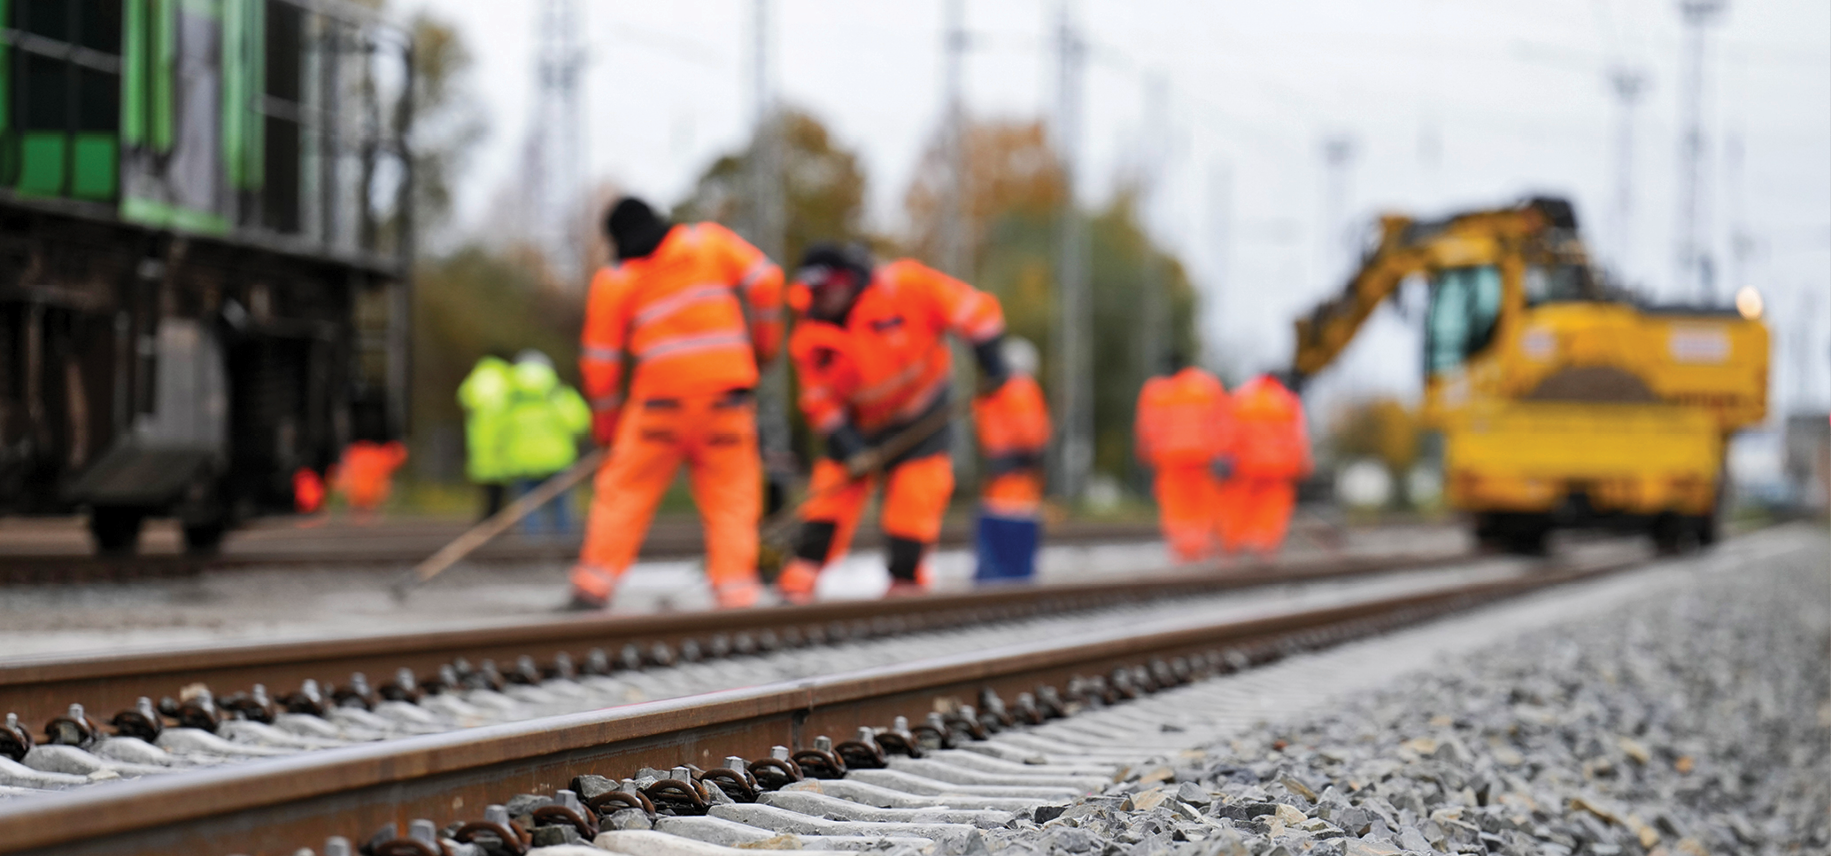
[[695, 311], [870, 352], [1270, 452], [1013, 428], [1182, 433]]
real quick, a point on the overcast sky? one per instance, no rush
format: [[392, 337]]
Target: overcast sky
[[1450, 104]]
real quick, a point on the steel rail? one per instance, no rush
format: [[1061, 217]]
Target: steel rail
[[43, 686], [272, 807], [72, 562]]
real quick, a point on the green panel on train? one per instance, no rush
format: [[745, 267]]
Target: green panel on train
[[152, 106]]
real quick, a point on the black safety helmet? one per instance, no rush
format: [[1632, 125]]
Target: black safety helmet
[[635, 228]]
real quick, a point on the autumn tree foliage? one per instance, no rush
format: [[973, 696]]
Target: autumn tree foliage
[[1013, 203], [823, 188]]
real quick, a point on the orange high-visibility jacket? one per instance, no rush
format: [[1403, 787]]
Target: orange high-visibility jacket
[[889, 362], [1013, 425], [1182, 419], [694, 316], [367, 471], [1270, 439]]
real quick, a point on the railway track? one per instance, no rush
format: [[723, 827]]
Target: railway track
[[61, 553], [278, 805], [38, 688]]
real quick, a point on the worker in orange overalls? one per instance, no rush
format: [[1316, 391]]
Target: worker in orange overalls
[[695, 310], [365, 476], [1270, 453], [871, 355], [1013, 428], [1182, 434]]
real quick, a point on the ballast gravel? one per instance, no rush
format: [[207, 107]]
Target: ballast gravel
[[1693, 721]]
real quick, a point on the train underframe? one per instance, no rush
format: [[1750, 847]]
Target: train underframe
[[145, 374]]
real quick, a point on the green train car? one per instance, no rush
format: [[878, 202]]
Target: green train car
[[204, 243]]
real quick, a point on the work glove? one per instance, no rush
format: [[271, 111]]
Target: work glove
[[864, 463], [847, 446], [604, 426], [1222, 466]]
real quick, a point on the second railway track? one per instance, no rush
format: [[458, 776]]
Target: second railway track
[[40, 687], [279, 805]]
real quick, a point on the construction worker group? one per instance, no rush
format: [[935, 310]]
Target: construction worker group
[[1225, 467], [677, 334]]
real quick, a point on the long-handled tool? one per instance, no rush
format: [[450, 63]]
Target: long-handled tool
[[773, 551], [883, 453], [497, 524], [773, 530]]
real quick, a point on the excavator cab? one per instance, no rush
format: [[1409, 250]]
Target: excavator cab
[[1464, 310]]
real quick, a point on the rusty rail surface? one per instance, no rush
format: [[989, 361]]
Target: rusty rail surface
[[270, 808], [67, 557], [43, 686]]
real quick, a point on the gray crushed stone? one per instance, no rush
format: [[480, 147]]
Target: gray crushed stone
[[1694, 722]]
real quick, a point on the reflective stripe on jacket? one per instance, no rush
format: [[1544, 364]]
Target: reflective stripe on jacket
[[889, 362], [1013, 425], [693, 317], [1270, 439], [1182, 419]]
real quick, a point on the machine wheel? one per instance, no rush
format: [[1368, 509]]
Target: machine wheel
[[116, 529], [1489, 536], [1707, 529], [1528, 540], [204, 539], [1674, 535], [1519, 534]]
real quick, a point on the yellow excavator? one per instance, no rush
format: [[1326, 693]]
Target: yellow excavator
[[1562, 402]]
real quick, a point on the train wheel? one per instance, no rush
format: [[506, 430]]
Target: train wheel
[[202, 539], [116, 529]]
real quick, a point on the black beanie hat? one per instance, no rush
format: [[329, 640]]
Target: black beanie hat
[[635, 227], [830, 254]]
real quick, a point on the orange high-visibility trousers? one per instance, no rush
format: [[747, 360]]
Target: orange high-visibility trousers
[[1018, 494], [915, 498], [716, 437], [1188, 505], [1256, 513]]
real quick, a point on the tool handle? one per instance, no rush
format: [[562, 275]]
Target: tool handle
[[887, 451], [498, 523]]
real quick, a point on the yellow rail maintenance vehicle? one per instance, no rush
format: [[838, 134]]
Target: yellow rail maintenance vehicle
[[1563, 403]]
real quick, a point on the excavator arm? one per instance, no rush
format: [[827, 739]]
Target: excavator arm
[[1326, 331], [1407, 247]]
